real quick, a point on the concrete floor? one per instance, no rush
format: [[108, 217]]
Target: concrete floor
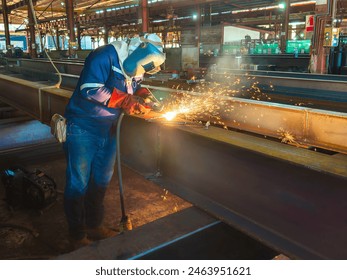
[[31, 234]]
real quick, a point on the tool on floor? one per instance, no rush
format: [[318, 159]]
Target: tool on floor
[[125, 222], [34, 190]]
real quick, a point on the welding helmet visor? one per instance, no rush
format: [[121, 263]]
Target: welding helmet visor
[[145, 56]]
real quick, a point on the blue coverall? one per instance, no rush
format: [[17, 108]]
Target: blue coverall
[[90, 145]]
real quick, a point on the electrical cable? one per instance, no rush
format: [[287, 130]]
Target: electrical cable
[[125, 223]]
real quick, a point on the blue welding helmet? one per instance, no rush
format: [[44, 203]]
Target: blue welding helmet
[[145, 56]]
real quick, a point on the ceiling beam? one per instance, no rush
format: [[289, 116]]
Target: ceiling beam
[[20, 4], [42, 9]]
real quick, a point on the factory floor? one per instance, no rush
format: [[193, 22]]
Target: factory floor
[[32, 234]]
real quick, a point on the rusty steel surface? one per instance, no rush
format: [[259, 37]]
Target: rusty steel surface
[[308, 127], [305, 126], [292, 208]]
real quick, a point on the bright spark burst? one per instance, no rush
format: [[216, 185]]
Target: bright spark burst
[[202, 103], [287, 137], [170, 115]]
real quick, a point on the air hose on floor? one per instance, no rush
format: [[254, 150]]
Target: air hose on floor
[[125, 223]]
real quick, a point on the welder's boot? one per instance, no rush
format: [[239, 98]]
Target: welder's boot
[[94, 206], [74, 211], [100, 232], [95, 213]]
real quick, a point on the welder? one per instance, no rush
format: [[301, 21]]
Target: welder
[[109, 84]]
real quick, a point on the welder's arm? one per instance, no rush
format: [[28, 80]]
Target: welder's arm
[[96, 78], [131, 104], [101, 94]]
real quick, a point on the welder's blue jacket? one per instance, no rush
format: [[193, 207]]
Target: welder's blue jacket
[[87, 107]]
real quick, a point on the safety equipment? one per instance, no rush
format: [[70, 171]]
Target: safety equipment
[[131, 104], [146, 57], [31, 189]]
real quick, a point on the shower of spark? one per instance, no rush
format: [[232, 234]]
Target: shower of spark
[[286, 136], [212, 101], [207, 101]]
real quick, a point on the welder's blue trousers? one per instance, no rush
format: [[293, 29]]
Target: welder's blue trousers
[[90, 165]]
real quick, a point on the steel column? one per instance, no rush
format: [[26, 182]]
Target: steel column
[[57, 38], [106, 34], [198, 27], [71, 26], [319, 55], [144, 6], [79, 36], [32, 38], [285, 27], [6, 24]]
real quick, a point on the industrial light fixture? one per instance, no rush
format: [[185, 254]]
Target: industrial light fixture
[[195, 16], [281, 6]]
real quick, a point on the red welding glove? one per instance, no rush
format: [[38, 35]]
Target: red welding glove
[[131, 104], [143, 92]]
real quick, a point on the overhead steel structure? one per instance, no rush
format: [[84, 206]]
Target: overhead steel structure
[[135, 16]]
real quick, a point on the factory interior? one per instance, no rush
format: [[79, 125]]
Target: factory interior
[[245, 159]]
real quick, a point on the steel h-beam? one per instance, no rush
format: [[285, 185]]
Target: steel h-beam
[[281, 195], [32, 38], [247, 182], [70, 25]]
